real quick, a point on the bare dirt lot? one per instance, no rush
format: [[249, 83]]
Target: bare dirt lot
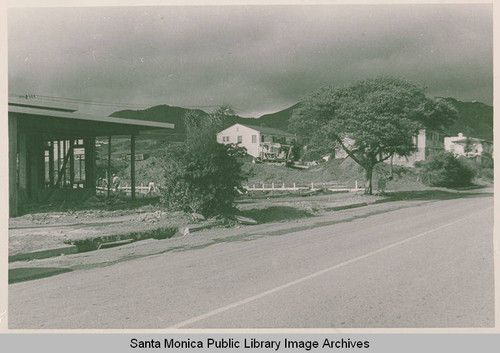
[[92, 226]]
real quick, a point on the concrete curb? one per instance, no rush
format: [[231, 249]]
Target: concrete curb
[[45, 253], [191, 228]]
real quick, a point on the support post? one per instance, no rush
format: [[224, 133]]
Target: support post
[[109, 166], [64, 163], [13, 187], [40, 155], [63, 167], [58, 157], [90, 162], [132, 165], [72, 166], [80, 168], [51, 164]]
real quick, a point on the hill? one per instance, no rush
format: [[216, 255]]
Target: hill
[[171, 114], [278, 120], [475, 119]]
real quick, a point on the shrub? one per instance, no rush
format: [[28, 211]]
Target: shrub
[[201, 175], [446, 170]]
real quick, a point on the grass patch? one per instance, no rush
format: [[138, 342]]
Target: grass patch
[[276, 214], [90, 244]]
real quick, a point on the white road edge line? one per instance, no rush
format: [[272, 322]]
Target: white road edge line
[[316, 274]]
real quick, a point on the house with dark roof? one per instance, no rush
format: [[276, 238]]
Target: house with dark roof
[[260, 142]]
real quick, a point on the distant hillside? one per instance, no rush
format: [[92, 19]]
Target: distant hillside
[[279, 119], [164, 114], [169, 114], [475, 118]]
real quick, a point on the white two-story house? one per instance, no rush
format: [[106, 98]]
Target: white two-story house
[[260, 142], [427, 143]]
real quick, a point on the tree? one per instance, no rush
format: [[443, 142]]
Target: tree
[[370, 120], [201, 175]]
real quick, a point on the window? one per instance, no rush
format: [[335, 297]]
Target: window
[[262, 138], [254, 138], [240, 139]]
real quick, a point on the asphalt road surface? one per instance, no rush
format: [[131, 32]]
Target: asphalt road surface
[[425, 266]]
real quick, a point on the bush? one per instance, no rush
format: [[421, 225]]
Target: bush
[[446, 170], [201, 175]]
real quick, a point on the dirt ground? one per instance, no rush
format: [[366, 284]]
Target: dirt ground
[[277, 215], [54, 228], [46, 230], [39, 268]]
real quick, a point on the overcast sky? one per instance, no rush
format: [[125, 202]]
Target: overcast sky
[[258, 59]]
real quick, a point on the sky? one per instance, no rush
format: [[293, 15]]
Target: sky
[[258, 59]]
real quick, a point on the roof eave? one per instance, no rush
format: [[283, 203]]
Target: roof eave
[[79, 116]]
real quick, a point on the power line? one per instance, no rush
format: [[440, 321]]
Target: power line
[[76, 100], [114, 104]]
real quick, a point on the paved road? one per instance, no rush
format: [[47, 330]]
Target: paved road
[[425, 266]]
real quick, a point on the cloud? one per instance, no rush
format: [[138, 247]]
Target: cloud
[[257, 58]]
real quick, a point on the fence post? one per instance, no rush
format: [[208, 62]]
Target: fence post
[[312, 186], [283, 187], [294, 187], [254, 187], [272, 186], [262, 186], [356, 185]]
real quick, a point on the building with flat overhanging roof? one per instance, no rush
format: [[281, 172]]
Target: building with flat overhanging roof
[[52, 147], [259, 141]]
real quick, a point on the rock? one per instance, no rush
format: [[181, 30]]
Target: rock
[[246, 220], [197, 217]]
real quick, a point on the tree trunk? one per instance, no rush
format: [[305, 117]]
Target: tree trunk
[[369, 184]]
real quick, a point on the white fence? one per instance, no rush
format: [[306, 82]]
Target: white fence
[[332, 186], [127, 190]]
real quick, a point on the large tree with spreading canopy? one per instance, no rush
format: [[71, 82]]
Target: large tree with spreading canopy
[[371, 120]]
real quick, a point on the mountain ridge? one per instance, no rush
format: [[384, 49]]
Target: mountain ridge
[[475, 118]]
